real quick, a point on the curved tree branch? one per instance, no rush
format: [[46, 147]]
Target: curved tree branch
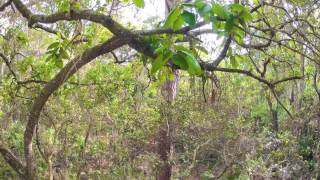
[[65, 73], [89, 15]]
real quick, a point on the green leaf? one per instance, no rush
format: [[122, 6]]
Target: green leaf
[[160, 61], [182, 48], [199, 3], [229, 24], [219, 11], [25, 63], [139, 3], [76, 5], [217, 25], [173, 16], [234, 62], [179, 60], [178, 23], [177, 37], [238, 37], [64, 54], [53, 45], [63, 5], [50, 57], [22, 38], [58, 63], [246, 15], [236, 8], [160, 50], [189, 18], [193, 65], [205, 10]]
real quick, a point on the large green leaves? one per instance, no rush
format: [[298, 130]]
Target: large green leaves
[[179, 60], [183, 58], [241, 11], [193, 65], [218, 10], [226, 20], [173, 17], [178, 17], [189, 18], [186, 61]]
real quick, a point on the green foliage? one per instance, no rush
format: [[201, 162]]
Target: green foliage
[[193, 65], [189, 18], [57, 52], [63, 5], [225, 20], [105, 119], [173, 19], [139, 3]]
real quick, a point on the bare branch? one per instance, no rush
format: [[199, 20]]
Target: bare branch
[[6, 4]]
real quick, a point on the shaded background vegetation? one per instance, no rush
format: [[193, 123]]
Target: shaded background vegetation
[[104, 121]]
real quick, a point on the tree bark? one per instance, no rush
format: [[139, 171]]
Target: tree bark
[[274, 115], [12, 160], [169, 92]]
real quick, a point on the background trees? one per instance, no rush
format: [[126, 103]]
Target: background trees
[[81, 90]]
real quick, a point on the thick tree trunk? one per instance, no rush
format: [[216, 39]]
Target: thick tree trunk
[[169, 92], [274, 116], [164, 147]]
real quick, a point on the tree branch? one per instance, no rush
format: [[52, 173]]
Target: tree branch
[[12, 160], [6, 4], [171, 31], [89, 15], [65, 73], [7, 62], [286, 79]]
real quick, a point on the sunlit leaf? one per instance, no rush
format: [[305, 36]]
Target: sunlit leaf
[[160, 61], [178, 23], [173, 16], [53, 45], [219, 11], [234, 62], [139, 3]]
